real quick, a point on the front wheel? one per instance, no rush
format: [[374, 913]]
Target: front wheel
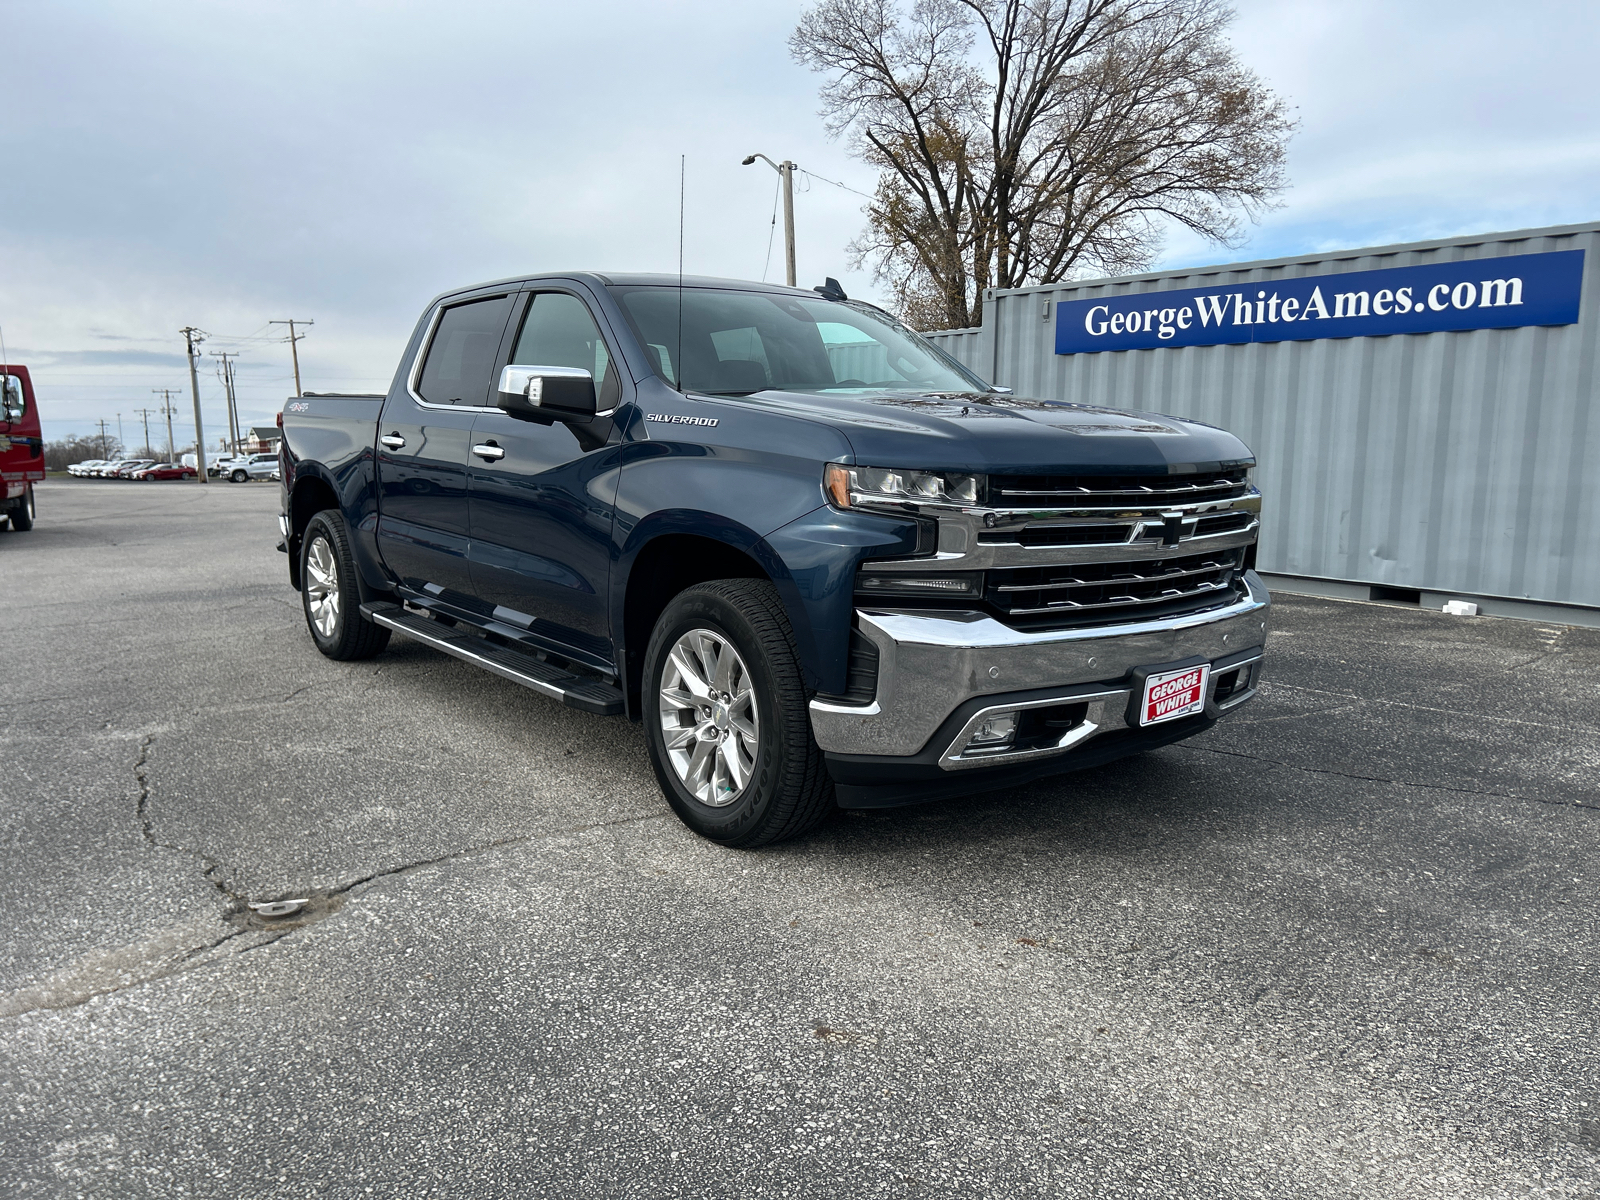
[[329, 594], [239, 477], [726, 720], [22, 515]]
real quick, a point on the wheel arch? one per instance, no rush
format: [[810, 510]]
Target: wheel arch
[[312, 494], [659, 567]]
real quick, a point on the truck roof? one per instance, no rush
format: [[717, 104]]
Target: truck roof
[[631, 278]]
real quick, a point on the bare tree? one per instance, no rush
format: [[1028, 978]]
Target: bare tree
[[58, 456], [1030, 141]]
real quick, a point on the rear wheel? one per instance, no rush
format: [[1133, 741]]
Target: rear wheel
[[725, 717], [22, 515], [329, 594]]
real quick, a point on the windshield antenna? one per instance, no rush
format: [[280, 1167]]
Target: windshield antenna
[[678, 362]]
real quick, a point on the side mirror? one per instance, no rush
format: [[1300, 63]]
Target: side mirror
[[547, 391], [11, 403]]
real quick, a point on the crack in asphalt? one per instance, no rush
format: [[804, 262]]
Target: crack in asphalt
[[14, 1004], [1269, 684], [147, 827], [407, 868], [80, 984], [1433, 787]]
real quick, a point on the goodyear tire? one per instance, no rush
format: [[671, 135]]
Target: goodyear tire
[[724, 706]]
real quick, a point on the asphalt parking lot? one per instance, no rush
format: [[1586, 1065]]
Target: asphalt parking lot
[[1344, 944]]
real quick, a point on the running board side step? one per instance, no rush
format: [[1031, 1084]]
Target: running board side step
[[578, 691]]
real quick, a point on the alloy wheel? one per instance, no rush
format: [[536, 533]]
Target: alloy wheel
[[709, 721], [322, 587]]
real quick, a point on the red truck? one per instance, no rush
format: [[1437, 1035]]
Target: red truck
[[21, 448]]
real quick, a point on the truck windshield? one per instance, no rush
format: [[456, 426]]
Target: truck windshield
[[737, 342]]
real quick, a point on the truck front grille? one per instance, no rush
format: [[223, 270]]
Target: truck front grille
[[1116, 491], [1075, 594]]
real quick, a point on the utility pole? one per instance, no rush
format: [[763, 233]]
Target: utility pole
[[120, 438], [192, 338], [293, 348], [104, 452], [166, 395], [226, 371], [785, 171], [145, 413]]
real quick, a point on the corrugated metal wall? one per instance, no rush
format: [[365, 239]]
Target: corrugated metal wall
[[968, 347], [1459, 462]]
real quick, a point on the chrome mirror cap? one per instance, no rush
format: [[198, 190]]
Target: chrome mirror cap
[[533, 389]]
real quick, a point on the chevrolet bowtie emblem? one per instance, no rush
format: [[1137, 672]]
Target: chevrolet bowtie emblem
[[1171, 528]]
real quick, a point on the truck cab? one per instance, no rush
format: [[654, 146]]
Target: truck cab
[[21, 449], [822, 562]]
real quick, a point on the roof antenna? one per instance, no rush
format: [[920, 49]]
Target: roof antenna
[[678, 361], [831, 290]]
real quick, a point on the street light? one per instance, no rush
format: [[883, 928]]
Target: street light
[[785, 171]]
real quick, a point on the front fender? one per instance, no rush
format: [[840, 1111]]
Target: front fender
[[812, 562], [819, 553]]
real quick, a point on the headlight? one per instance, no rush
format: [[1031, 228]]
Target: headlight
[[850, 487]]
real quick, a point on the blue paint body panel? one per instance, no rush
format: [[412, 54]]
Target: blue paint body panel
[[546, 538]]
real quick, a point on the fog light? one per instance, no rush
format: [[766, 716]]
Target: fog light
[[967, 584], [995, 731]]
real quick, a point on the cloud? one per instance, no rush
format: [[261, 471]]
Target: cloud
[[225, 165], [102, 358]]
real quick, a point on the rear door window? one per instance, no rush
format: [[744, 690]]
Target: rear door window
[[461, 357]]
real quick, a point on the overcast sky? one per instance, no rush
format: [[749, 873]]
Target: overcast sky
[[223, 165]]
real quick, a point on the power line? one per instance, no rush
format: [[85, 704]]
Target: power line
[[166, 395], [772, 231], [145, 413], [225, 370], [835, 183], [192, 338], [294, 348]]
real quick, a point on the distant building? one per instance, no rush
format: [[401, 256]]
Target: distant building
[[261, 439]]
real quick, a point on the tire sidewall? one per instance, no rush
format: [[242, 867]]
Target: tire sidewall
[[699, 610], [21, 518], [322, 528]]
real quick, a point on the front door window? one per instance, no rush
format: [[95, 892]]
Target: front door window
[[559, 332]]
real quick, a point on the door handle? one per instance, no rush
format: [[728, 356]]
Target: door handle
[[393, 440], [489, 451]]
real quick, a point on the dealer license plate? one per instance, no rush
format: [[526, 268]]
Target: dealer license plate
[[1173, 694]]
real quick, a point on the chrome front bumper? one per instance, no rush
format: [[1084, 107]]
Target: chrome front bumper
[[929, 665]]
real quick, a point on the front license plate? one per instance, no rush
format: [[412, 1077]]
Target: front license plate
[[1174, 694]]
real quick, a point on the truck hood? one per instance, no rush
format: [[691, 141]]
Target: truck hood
[[993, 434]]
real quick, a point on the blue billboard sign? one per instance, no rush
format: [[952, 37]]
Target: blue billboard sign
[[1480, 293]]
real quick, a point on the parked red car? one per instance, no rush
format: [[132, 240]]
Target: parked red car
[[164, 471], [21, 448]]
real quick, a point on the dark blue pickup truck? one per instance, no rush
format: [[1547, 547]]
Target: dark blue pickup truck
[[822, 562]]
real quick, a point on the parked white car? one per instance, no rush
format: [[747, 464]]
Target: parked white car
[[257, 466], [86, 467], [223, 464]]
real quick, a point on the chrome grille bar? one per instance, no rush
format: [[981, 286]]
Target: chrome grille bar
[[1074, 606], [1207, 568]]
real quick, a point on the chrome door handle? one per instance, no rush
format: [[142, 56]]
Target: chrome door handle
[[489, 451], [393, 440]]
